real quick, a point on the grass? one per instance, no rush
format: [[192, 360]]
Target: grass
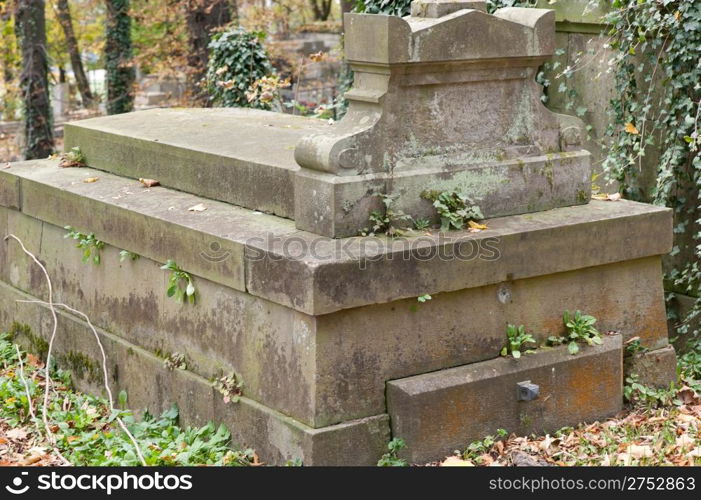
[[87, 433]]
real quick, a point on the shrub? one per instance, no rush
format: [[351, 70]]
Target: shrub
[[237, 61]]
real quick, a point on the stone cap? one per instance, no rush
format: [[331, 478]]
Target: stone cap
[[440, 31]]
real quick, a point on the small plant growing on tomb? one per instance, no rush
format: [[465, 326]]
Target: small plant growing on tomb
[[517, 341], [180, 284], [90, 245], [421, 299], [638, 394], [634, 346], [387, 222], [455, 209], [476, 450], [391, 458], [580, 328], [229, 386], [421, 224], [175, 361], [125, 255], [72, 158]]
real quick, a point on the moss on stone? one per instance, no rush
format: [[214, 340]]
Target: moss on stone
[[36, 343], [81, 366]]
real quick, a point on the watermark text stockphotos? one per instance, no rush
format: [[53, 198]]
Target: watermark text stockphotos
[[108, 483], [363, 250]]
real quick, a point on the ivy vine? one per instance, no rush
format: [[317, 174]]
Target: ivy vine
[[118, 58], [655, 113], [239, 70]]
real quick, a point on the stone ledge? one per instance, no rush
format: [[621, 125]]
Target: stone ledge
[[150, 386], [441, 411], [338, 274]]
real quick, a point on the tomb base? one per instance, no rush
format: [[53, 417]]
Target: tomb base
[[322, 331]]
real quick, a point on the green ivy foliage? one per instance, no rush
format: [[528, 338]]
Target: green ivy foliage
[[237, 59], [118, 58], [656, 110], [403, 7], [390, 7]]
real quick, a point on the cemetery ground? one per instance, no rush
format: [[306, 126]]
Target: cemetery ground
[[657, 427]]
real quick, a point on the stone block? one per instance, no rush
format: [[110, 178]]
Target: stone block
[[438, 412], [150, 386], [657, 368], [338, 206], [9, 190], [240, 156], [460, 66]]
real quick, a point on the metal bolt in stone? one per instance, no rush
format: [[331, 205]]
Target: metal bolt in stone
[[527, 391]]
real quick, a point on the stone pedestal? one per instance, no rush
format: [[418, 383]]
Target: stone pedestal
[[444, 99]]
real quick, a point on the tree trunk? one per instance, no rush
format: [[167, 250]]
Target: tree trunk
[[346, 6], [64, 18], [9, 63], [321, 9], [118, 58], [30, 24], [202, 16]]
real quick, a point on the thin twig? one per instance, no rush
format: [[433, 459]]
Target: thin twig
[[26, 385], [47, 377], [52, 307], [110, 398]]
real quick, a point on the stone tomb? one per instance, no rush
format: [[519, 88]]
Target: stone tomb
[[322, 326]]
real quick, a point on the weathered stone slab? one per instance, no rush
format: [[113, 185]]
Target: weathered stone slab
[[9, 190], [225, 331], [657, 368], [340, 361], [150, 386], [241, 156], [503, 188], [356, 272], [439, 412], [359, 349], [324, 275]]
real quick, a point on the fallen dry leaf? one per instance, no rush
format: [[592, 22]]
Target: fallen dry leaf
[[32, 459], [149, 182], [33, 360], [90, 180], [456, 462], [317, 57], [631, 129], [17, 434], [197, 208], [477, 225], [685, 441], [637, 451], [606, 197]]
